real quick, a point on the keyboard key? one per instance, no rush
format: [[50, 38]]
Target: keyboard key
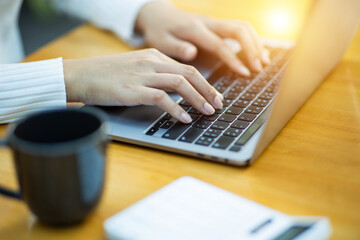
[[227, 102], [227, 117], [167, 124], [190, 135], [194, 117], [243, 81], [209, 118], [262, 82], [253, 109], [220, 89], [251, 130], [238, 88], [194, 111], [213, 133], [247, 117], [226, 80], [240, 124], [266, 95], [231, 95], [241, 103], [272, 88], [248, 96], [219, 125], [185, 107], [235, 148], [232, 132], [234, 110], [185, 103], [205, 141], [260, 102], [220, 110], [223, 142], [167, 117], [160, 122], [201, 124], [175, 131], [254, 89], [151, 131]]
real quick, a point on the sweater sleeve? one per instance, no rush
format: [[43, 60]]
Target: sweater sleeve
[[30, 87], [118, 16]]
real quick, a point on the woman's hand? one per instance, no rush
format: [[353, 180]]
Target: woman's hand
[[176, 33], [139, 77]]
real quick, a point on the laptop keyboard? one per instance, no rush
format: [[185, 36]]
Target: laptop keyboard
[[245, 102]]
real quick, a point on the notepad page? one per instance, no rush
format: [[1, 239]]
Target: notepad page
[[191, 209]]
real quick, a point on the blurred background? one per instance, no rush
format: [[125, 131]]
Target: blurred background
[[280, 19], [40, 24]]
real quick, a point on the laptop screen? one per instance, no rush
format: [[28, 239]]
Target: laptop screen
[[327, 32]]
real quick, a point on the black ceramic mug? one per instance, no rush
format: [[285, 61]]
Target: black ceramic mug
[[59, 158]]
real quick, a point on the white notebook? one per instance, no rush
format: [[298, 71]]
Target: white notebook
[[189, 209]]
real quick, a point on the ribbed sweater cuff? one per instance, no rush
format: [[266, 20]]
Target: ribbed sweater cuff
[[29, 87]]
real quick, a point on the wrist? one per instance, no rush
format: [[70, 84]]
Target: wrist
[[69, 79], [147, 12]]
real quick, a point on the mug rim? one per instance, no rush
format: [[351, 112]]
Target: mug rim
[[59, 148]]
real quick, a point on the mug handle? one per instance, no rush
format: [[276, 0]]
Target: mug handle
[[4, 191]]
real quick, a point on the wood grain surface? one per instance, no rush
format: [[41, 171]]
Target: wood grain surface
[[311, 168]]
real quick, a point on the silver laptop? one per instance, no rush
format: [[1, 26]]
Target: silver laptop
[[255, 108]]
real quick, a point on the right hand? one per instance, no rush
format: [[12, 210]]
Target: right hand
[[139, 77]]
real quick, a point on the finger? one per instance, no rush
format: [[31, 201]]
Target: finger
[[175, 47], [160, 56], [195, 79], [239, 32], [180, 85], [152, 96], [208, 40], [264, 53]]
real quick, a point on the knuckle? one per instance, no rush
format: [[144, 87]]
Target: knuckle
[[159, 96], [210, 92], [190, 70], [143, 61], [196, 22], [220, 47], [178, 81], [247, 24], [154, 51]]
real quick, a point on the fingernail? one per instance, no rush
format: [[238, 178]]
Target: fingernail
[[186, 117], [208, 108], [220, 95], [217, 102], [243, 70], [257, 65]]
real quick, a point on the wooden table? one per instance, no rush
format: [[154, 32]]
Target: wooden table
[[311, 168]]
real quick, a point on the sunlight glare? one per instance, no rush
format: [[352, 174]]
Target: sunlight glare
[[280, 21]]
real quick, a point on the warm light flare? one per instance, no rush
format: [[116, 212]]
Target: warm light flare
[[280, 21]]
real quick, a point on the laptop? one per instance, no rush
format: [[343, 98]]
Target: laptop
[[255, 108]]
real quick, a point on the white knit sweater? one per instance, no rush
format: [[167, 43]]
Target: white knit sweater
[[29, 87]]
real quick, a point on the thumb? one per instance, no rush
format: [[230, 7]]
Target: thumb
[[177, 48]]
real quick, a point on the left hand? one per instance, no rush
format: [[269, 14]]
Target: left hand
[[177, 33]]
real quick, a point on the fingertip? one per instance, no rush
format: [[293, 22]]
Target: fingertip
[[185, 117], [209, 110], [217, 102], [219, 95], [265, 56], [257, 65], [190, 53], [242, 70]]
